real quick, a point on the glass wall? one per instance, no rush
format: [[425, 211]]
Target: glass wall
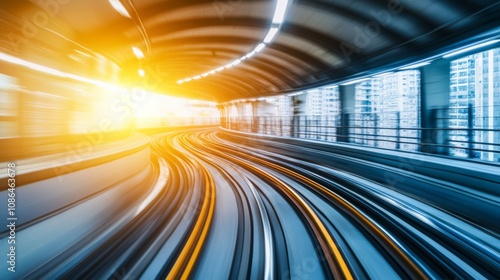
[[386, 113]]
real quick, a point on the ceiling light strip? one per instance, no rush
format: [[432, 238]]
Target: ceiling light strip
[[138, 52], [278, 18], [118, 6], [470, 48], [416, 65], [51, 71]]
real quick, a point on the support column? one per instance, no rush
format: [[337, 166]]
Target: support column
[[347, 95], [255, 117], [230, 114], [244, 115], [299, 103], [240, 108], [263, 120], [435, 100], [223, 115]]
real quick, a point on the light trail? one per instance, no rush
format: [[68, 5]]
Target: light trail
[[236, 207]]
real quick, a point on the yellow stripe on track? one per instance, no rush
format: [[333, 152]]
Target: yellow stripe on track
[[186, 261], [399, 254], [337, 265]]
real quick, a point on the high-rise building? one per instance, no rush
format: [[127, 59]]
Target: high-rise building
[[314, 103], [322, 111], [387, 110], [283, 105], [475, 103]]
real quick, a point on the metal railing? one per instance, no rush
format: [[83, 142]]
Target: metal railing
[[386, 131]]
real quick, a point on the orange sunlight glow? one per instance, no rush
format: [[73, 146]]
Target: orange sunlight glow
[[69, 104]]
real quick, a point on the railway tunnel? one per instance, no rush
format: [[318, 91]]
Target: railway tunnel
[[250, 139]]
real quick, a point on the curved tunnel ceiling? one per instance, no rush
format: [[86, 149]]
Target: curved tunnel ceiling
[[319, 42]]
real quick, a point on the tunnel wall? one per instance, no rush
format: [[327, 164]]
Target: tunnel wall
[[60, 203], [47, 184]]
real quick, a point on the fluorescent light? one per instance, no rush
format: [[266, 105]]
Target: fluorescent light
[[278, 18], [382, 75], [204, 74], [270, 35], [196, 77], [141, 72], [354, 81], [187, 80], [138, 53], [236, 62], [260, 47], [34, 66], [279, 13], [52, 71], [180, 81], [118, 6], [416, 65], [471, 48], [250, 54]]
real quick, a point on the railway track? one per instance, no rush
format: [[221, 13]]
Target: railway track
[[230, 207]]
